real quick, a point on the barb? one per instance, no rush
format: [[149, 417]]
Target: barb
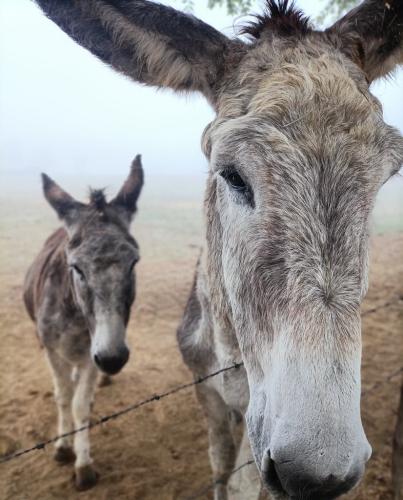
[[128, 409], [212, 485], [156, 397], [373, 387]]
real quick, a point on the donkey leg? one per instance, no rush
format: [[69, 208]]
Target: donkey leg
[[63, 388], [85, 475], [397, 461], [221, 443]]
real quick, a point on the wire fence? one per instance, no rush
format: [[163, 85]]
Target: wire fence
[[157, 397], [128, 409], [206, 489]]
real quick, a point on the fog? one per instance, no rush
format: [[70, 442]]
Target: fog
[[64, 111]]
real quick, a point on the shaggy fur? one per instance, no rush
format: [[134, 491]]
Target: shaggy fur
[[280, 19], [79, 291], [298, 151]]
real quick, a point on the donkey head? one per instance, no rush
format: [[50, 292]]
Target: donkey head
[[101, 255], [298, 152]]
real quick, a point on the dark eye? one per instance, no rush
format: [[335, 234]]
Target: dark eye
[[234, 180], [236, 183], [77, 270]]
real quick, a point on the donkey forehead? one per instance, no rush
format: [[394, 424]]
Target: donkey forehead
[[287, 83], [104, 246], [317, 106], [260, 146], [280, 71]]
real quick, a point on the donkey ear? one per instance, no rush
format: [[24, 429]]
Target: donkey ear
[[147, 41], [65, 205], [372, 35], [131, 189]]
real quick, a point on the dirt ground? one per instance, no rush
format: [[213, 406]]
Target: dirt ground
[[160, 451]]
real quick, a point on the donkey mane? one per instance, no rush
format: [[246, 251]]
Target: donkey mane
[[279, 16], [98, 199]]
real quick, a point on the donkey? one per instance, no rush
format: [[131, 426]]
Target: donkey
[[79, 291], [297, 152]]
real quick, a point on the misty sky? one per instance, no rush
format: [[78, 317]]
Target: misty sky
[[64, 111]]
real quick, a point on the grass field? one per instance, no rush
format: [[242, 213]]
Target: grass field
[[160, 452]]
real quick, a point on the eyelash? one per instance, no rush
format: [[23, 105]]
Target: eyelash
[[237, 183], [78, 271]]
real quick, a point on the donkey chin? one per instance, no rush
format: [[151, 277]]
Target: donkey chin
[[109, 350], [307, 443]]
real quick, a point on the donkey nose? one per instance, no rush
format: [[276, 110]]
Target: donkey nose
[[112, 364], [318, 483], [311, 487]]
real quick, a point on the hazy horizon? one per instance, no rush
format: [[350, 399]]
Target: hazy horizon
[[64, 112]]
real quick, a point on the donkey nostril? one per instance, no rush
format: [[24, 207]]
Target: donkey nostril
[[290, 478], [112, 364]]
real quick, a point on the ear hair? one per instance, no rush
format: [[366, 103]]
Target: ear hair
[[372, 35]]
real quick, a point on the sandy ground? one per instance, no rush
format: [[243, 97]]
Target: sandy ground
[[160, 451]]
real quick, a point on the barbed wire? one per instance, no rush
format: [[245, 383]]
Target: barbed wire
[[119, 413], [156, 397], [364, 393]]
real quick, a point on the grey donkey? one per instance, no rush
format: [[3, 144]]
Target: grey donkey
[[297, 153], [79, 291]]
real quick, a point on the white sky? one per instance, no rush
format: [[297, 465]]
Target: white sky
[[64, 111]]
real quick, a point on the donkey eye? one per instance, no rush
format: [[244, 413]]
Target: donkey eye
[[236, 183], [78, 271], [234, 180]]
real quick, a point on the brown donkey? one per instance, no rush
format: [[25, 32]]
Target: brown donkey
[[79, 292], [298, 151]]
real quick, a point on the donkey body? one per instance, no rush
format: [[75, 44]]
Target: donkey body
[[79, 291], [297, 152]]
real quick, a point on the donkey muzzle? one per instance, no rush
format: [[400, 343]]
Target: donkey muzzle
[[295, 479], [112, 364]]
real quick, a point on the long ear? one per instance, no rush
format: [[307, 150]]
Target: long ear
[[65, 205], [147, 41], [372, 35], [131, 189]]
